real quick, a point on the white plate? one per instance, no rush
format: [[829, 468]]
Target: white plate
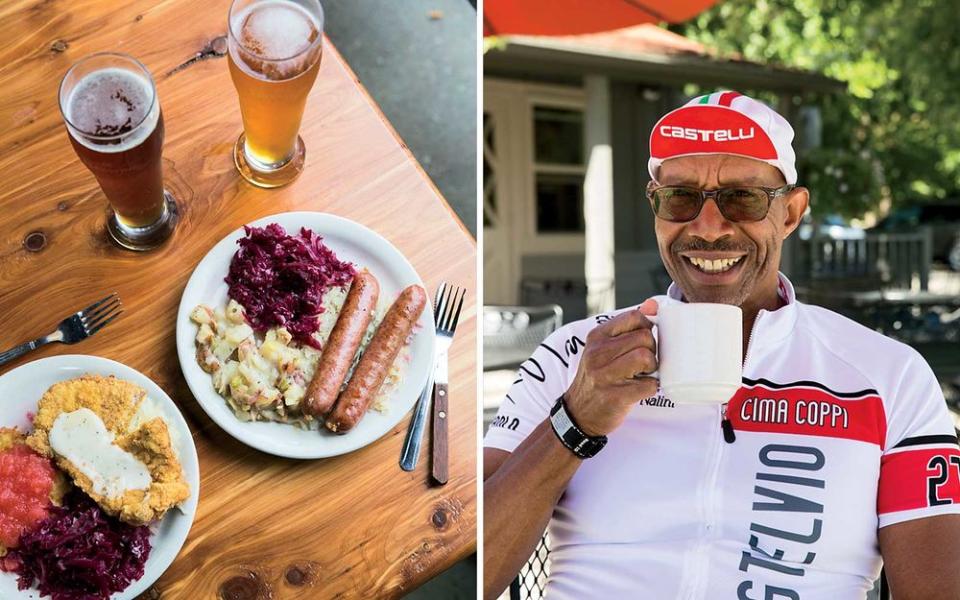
[[351, 242], [21, 390]]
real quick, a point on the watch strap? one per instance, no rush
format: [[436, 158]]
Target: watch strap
[[570, 434]]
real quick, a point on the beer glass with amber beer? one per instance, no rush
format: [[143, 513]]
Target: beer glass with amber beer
[[110, 107], [274, 55]]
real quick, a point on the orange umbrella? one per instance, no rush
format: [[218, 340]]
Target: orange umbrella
[[571, 17]]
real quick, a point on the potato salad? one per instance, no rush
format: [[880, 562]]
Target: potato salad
[[265, 379]]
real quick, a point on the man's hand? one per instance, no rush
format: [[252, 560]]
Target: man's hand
[[611, 376]]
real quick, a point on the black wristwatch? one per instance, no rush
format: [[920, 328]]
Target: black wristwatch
[[571, 436]]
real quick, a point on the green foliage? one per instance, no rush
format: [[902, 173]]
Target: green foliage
[[839, 181], [895, 132], [493, 42]]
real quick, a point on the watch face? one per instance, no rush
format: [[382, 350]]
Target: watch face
[[561, 420]]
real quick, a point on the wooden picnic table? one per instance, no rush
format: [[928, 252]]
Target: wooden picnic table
[[355, 526]]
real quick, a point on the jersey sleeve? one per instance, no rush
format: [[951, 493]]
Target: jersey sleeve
[[920, 465], [540, 380]]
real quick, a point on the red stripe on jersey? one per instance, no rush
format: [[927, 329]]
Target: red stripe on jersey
[[920, 478], [707, 129], [808, 411], [727, 97]]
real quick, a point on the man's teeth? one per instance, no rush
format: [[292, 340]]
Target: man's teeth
[[714, 266]]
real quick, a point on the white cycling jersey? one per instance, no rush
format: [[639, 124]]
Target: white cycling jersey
[[838, 431]]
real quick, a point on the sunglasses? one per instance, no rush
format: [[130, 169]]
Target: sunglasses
[[680, 204]]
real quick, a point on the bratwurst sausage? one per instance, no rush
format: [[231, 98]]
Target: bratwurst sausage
[[377, 359], [342, 345]]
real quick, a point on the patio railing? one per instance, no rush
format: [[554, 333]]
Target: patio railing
[[880, 260]]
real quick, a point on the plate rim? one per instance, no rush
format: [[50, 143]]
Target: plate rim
[[186, 347], [189, 508]]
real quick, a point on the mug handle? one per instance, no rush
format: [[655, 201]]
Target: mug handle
[[655, 319]]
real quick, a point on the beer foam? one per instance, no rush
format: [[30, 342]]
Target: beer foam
[[276, 30], [112, 102]]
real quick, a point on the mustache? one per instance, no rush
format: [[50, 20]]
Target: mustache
[[701, 245]]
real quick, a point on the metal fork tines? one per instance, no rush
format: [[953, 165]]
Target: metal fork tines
[[445, 322], [78, 326]]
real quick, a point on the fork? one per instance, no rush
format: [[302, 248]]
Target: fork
[[77, 327], [414, 440], [446, 326]]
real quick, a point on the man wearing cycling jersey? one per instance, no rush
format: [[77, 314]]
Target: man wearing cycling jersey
[[836, 455]]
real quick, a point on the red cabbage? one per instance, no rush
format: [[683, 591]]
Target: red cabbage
[[280, 279], [80, 553]]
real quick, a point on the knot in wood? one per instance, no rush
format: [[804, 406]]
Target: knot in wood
[[295, 576], [439, 518], [248, 587], [35, 241]]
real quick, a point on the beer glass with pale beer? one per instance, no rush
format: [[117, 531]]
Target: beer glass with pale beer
[[110, 107], [274, 55]]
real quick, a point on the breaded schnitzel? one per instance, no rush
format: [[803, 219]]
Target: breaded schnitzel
[[114, 400], [10, 436], [116, 403]]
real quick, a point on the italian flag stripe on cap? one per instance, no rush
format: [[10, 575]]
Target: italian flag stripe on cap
[[726, 98], [718, 98]]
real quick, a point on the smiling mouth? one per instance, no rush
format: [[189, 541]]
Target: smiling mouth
[[719, 265]]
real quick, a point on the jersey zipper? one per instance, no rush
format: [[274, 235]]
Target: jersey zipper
[[711, 508], [729, 435], [726, 425], [697, 589]]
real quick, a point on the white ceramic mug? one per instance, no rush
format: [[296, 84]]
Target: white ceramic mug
[[699, 348]]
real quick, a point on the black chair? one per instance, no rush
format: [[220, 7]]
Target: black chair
[[532, 579]]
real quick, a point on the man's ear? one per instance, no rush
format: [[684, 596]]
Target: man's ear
[[796, 203]]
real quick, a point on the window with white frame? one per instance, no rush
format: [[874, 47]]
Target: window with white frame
[[558, 169]]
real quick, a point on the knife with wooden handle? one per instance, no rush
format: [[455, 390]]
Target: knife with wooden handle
[[440, 471]]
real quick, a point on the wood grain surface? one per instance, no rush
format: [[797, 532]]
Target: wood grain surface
[[355, 526]]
